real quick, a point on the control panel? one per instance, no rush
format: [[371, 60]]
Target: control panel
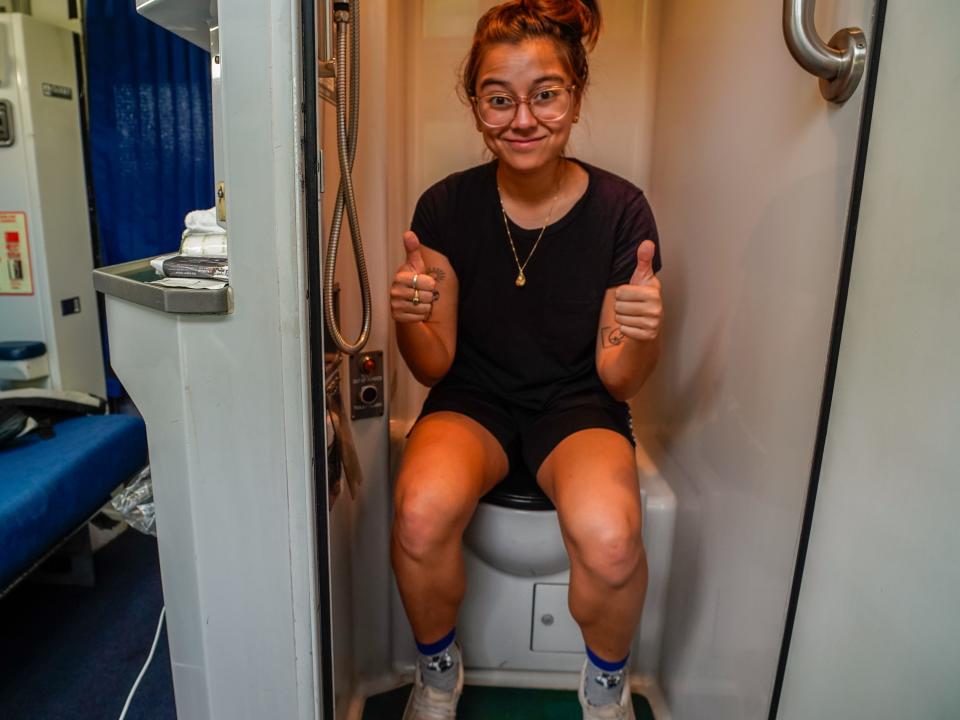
[[366, 385]]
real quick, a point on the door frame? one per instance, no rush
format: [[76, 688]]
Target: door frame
[[313, 250]]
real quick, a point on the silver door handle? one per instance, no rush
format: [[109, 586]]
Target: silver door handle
[[839, 64]]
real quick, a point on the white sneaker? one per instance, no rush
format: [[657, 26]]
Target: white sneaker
[[622, 710], [427, 703]]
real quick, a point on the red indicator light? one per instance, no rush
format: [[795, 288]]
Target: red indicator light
[[368, 365]]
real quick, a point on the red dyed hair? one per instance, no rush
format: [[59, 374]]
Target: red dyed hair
[[573, 25]]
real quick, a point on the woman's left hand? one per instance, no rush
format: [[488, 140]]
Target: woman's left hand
[[639, 307]]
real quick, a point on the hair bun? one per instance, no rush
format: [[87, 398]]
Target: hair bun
[[579, 17]]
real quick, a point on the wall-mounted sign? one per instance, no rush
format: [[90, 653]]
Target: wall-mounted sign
[[57, 91], [16, 275]]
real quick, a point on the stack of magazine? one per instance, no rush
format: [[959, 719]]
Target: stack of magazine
[[194, 266], [193, 272]]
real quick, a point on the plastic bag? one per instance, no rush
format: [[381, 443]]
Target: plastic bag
[[135, 503]]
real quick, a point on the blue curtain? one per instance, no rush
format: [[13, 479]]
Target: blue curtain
[[151, 146]]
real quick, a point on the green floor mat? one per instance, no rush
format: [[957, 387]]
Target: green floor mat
[[497, 703]]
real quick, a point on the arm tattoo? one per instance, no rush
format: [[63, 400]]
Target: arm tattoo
[[610, 337]]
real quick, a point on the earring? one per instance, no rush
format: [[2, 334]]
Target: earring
[[576, 118]]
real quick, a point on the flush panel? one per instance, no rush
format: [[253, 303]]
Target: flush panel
[[554, 629]]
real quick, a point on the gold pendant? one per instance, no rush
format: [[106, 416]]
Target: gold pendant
[[521, 280]]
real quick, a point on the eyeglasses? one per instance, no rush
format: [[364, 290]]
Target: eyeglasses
[[547, 104]]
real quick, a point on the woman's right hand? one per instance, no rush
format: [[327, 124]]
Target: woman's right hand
[[413, 291]]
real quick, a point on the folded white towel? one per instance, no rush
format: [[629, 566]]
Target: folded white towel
[[203, 221], [209, 244]]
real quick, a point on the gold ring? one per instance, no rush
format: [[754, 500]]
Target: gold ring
[[415, 276], [416, 297]]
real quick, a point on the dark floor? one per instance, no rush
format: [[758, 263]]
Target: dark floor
[[489, 703], [71, 653]]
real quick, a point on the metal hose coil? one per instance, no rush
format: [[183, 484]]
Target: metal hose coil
[[347, 133]]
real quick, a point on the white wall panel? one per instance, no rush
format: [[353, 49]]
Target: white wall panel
[[877, 634]]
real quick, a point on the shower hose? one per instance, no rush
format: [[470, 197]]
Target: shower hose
[[348, 112]]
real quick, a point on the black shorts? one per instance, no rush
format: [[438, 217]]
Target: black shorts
[[528, 436]]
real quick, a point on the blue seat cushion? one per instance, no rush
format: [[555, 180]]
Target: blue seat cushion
[[21, 350], [49, 487]]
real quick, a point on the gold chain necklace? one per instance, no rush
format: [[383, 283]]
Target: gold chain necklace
[[521, 277]]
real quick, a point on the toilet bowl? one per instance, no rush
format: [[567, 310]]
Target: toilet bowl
[[515, 529]]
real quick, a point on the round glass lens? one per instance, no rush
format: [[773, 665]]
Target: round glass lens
[[547, 104]]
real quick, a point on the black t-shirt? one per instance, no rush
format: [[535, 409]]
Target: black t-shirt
[[532, 346]]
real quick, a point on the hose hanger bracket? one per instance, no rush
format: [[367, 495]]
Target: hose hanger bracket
[[326, 68]]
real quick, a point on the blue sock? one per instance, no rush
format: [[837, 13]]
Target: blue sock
[[603, 681], [439, 646], [438, 662]]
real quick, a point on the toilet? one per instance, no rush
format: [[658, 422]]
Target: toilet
[[514, 616]]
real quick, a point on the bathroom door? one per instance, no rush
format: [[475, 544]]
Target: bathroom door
[[877, 634], [752, 182]]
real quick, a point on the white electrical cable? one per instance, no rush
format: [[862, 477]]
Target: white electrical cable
[[143, 671]]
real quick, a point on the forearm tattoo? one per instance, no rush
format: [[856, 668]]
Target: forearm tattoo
[[610, 337]]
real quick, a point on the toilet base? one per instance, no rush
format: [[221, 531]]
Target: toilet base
[[510, 622]]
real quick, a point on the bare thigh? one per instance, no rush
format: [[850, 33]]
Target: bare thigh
[[591, 477], [449, 463]]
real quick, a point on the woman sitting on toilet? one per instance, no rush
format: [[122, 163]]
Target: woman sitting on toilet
[[528, 303]]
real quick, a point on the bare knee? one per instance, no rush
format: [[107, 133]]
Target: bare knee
[[613, 553], [426, 520]]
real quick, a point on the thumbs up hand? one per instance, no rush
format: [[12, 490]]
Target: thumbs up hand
[[413, 291], [639, 307], [414, 257]]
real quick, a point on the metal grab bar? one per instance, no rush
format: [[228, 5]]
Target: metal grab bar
[[326, 63], [839, 64]]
